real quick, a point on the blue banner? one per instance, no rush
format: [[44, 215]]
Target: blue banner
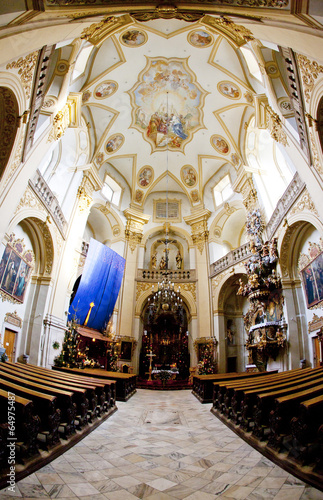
[[98, 290]]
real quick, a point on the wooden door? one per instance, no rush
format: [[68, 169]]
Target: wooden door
[[9, 343], [317, 352]]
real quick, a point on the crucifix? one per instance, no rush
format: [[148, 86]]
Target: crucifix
[[150, 355]]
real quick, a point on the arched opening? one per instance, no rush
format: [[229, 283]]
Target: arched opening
[[167, 338], [8, 125]]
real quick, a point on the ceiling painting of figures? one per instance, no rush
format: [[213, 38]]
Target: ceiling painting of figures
[[167, 103]]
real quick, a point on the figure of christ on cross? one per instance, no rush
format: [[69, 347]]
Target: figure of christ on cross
[[150, 355]]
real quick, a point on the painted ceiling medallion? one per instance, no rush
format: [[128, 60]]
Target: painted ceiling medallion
[[189, 176], [105, 89], [220, 144], [145, 176], [200, 38], [133, 38], [229, 89], [114, 143], [167, 103]]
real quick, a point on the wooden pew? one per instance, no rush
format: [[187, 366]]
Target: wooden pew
[[109, 386], [203, 384], [244, 400], [285, 408], [26, 423], [64, 399], [304, 430], [45, 408], [125, 382], [79, 394]]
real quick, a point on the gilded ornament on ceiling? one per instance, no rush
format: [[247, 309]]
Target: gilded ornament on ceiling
[[25, 66], [138, 196], [200, 38], [114, 143], [167, 103], [188, 176], [86, 96], [195, 196], [220, 144], [229, 89], [145, 176], [133, 38], [310, 70], [105, 89], [235, 159], [249, 97]]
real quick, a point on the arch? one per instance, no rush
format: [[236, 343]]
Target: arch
[[42, 237], [187, 299], [8, 125], [160, 229], [287, 243]]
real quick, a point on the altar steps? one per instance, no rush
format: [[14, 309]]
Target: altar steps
[[170, 385]]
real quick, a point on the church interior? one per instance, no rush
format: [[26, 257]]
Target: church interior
[[148, 254]]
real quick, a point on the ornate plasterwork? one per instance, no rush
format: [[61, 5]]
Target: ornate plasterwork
[[60, 123], [8, 125], [142, 287], [133, 238], [16, 161], [200, 232], [167, 12], [239, 34], [189, 287], [13, 319], [274, 125], [98, 32], [285, 248], [310, 70], [167, 103], [85, 199], [245, 186], [315, 156], [47, 238], [134, 227], [25, 66], [29, 200], [305, 203]]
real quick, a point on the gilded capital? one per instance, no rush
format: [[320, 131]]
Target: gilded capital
[[134, 227], [198, 222], [98, 32]]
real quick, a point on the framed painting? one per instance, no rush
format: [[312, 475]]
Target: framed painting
[[126, 348], [15, 270], [312, 278]]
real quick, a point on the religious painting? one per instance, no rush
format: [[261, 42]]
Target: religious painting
[[189, 175], [167, 103], [145, 176], [126, 350], [86, 96], [105, 89], [114, 143], [133, 38], [229, 89], [220, 144], [15, 270], [195, 196], [312, 277], [235, 159], [138, 196], [200, 38]]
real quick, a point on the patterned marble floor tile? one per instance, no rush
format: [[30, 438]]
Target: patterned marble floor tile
[[289, 493], [59, 491]]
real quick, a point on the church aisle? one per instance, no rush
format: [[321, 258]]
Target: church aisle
[[159, 446]]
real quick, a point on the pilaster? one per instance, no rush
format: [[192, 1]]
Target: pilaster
[[200, 233], [133, 234]]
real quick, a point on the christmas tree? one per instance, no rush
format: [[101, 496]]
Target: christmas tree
[[69, 355]]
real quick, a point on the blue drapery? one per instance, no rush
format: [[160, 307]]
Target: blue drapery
[[100, 284]]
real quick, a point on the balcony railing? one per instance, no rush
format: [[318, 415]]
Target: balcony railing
[[40, 187], [293, 191], [177, 275], [237, 255]]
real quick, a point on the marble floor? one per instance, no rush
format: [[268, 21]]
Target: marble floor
[[160, 446]]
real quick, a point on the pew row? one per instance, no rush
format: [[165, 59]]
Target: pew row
[[125, 382], [203, 384], [52, 412], [281, 416]]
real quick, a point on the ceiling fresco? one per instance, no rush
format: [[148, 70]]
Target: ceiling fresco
[[167, 103]]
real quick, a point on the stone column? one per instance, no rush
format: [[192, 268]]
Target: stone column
[[133, 234], [296, 323], [200, 234]]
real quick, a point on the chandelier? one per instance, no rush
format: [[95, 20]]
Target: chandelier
[[166, 300]]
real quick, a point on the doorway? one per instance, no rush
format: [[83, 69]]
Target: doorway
[[9, 343]]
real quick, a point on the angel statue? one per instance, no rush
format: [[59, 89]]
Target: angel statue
[[179, 260]]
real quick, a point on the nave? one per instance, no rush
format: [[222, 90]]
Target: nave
[[159, 446]]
